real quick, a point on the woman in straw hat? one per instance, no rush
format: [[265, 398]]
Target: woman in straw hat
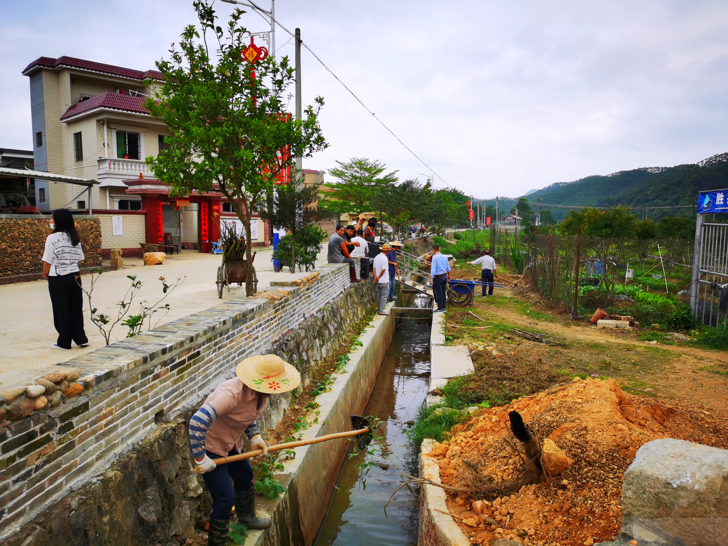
[[217, 430]]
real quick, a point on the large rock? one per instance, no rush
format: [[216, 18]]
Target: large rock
[[677, 492], [154, 258]]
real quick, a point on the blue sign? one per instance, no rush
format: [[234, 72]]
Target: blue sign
[[713, 201]]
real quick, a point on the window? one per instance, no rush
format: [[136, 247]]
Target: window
[[78, 146], [39, 139], [127, 145], [81, 205], [227, 207], [130, 204], [41, 195], [162, 143]]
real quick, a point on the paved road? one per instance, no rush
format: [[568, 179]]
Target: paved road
[[26, 321]]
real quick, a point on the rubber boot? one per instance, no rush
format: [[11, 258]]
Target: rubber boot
[[352, 275], [218, 533], [245, 509]]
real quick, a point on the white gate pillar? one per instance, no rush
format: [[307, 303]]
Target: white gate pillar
[[697, 259]]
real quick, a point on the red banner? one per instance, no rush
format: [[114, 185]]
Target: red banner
[[472, 213], [487, 221]]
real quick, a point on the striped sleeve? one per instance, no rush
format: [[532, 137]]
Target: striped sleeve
[[252, 430], [199, 424]]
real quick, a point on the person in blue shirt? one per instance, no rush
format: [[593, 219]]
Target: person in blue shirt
[[392, 255], [439, 275]]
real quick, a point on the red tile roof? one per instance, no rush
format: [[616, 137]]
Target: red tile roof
[[72, 62], [108, 101]]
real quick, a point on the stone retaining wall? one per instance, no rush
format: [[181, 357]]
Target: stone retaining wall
[[129, 387], [22, 241]]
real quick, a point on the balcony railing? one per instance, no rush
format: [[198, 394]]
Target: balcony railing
[[130, 167]]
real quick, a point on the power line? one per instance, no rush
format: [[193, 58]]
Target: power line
[[264, 15]]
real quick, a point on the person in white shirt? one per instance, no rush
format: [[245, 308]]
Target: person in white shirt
[[381, 277], [361, 252], [487, 271], [60, 267]]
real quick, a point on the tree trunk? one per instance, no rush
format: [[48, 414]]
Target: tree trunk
[[249, 291], [293, 251]]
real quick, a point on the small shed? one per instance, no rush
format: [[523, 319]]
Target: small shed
[[511, 220]]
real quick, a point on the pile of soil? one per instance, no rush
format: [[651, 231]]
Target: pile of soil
[[597, 429]]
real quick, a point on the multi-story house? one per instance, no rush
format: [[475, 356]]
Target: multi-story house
[[89, 121]]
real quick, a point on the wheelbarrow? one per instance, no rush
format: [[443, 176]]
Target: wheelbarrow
[[234, 271]]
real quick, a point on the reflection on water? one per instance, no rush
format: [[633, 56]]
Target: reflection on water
[[356, 515]]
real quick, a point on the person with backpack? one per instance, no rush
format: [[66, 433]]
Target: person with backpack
[[61, 256]]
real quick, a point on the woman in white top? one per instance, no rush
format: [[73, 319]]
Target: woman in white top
[[60, 266]]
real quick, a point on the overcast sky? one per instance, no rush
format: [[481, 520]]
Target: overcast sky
[[497, 97]]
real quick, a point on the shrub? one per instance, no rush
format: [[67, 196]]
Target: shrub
[[435, 422], [681, 318], [457, 235], [715, 338]]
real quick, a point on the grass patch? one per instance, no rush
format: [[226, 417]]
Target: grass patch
[[435, 422], [713, 338]]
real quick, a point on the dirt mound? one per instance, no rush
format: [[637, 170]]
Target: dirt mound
[[595, 430]]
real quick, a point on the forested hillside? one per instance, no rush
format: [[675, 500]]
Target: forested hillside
[[645, 187]]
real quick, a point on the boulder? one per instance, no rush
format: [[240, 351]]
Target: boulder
[[73, 390], [39, 403], [73, 374], [55, 377], [55, 399], [50, 387], [13, 394], [677, 491], [34, 391], [21, 409], [554, 459], [154, 258], [116, 259]]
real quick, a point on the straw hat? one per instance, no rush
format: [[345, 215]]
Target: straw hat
[[397, 243], [385, 247], [268, 374]]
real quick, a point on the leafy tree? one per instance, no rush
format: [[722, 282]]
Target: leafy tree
[[644, 229], [440, 211], [400, 204], [307, 248], [523, 207], [294, 209], [547, 218], [357, 180], [617, 222], [228, 123], [676, 227]]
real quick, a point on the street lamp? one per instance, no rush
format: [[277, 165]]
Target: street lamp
[[271, 14]]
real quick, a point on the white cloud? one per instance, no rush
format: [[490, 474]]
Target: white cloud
[[498, 97]]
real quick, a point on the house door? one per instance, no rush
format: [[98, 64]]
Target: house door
[[171, 226]]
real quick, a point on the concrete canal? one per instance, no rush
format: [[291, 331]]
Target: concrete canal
[[368, 479]]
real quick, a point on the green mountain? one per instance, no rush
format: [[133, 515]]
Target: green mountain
[[644, 187]]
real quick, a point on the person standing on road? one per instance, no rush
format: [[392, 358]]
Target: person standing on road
[[381, 277], [62, 254], [339, 254], [439, 275], [217, 431], [487, 271], [361, 252], [393, 268]]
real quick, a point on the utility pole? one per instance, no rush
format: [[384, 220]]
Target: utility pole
[[299, 108]]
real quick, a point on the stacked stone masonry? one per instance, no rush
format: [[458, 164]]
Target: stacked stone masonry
[[123, 392], [22, 241]]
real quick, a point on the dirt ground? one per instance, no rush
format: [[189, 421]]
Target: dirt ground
[[598, 395], [677, 371], [591, 430]]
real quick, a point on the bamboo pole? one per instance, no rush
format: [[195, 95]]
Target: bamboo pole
[[291, 445]]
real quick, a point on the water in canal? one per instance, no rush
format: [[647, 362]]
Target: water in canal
[[356, 515]]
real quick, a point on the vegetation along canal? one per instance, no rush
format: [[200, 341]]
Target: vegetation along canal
[[368, 479]]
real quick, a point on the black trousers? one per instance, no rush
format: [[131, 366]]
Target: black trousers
[[67, 302], [439, 287], [486, 277], [222, 489], [364, 268]]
